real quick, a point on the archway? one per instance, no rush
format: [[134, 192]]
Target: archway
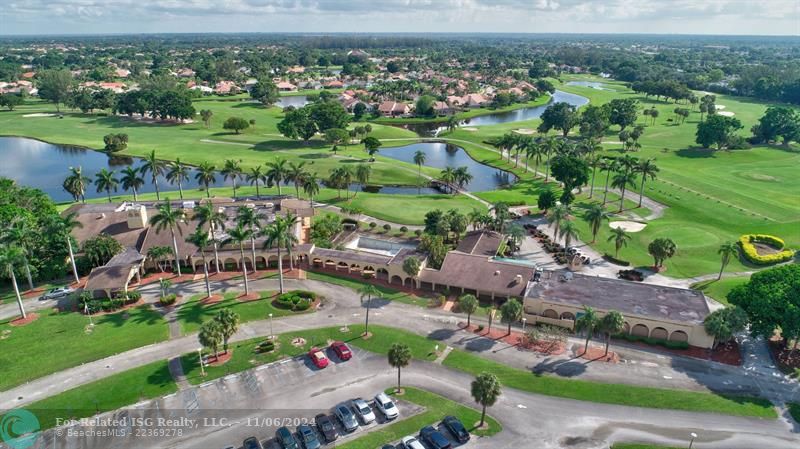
[[659, 333], [640, 330], [679, 336], [550, 313], [396, 280], [568, 316]]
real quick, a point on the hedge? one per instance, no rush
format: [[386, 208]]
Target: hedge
[[296, 300], [614, 260], [168, 300], [751, 253], [655, 341]]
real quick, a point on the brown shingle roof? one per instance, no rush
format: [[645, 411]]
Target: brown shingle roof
[[484, 243], [109, 277], [480, 273]]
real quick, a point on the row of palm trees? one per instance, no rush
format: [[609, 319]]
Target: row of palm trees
[[455, 178], [250, 225]]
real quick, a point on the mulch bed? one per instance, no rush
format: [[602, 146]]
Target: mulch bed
[[595, 354], [516, 339], [108, 312], [780, 354], [155, 277], [248, 298], [23, 321], [220, 359], [213, 299]]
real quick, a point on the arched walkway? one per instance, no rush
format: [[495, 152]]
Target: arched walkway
[[568, 316], [659, 333], [640, 330], [680, 336], [550, 313], [396, 280]]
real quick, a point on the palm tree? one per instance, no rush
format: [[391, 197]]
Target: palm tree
[[587, 323], [19, 234], [311, 188], [511, 312], [75, 184], [178, 173], [155, 167], [250, 219], [228, 321], [727, 250], [399, 357], [232, 170], [623, 180], [533, 150], [468, 304], [277, 234], [291, 238], [296, 173], [200, 239], [255, 177], [448, 178], [462, 176], [169, 218], [609, 165], [569, 231], [210, 336], [341, 177], [63, 226], [206, 175], [277, 172], [131, 180], [611, 324], [419, 159], [239, 235], [485, 389], [369, 291], [620, 238], [207, 214], [595, 215], [362, 173], [550, 144], [105, 181], [646, 168], [9, 257], [557, 215], [594, 161]]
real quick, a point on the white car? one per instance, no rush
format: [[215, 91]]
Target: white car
[[410, 442], [363, 410], [56, 293], [386, 406]]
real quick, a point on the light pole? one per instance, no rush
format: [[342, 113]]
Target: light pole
[[524, 321], [271, 334], [691, 442], [86, 310], [202, 366]]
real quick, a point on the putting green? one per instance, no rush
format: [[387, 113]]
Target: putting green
[[687, 236]]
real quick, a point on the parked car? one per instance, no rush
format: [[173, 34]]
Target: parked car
[[341, 350], [410, 442], [346, 418], [386, 406], [363, 410], [318, 358], [56, 293], [285, 438], [326, 427], [456, 428], [434, 438], [388, 446], [308, 438], [251, 443]]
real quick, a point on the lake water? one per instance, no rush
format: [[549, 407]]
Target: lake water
[[442, 155], [298, 101]]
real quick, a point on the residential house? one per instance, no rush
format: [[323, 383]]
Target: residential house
[[394, 109]]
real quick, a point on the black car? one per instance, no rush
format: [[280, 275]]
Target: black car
[[388, 446], [326, 427], [286, 439], [456, 428], [434, 438], [251, 443]]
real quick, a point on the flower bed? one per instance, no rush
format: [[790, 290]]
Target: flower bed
[[750, 252]]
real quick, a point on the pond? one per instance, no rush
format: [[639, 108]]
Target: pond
[[442, 155], [517, 115], [592, 84], [298, 101], [44, 166]]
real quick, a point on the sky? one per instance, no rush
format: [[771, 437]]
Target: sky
[[739, 17]]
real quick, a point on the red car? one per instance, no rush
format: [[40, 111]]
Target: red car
[[318, 358], [341, 350]]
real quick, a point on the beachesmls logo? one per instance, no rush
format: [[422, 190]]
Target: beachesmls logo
[[19, 429]]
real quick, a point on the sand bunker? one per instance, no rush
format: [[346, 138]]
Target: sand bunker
[[629, 226], [470, 129], [525, 131], [719, 107], [725, 113], [40, 114]]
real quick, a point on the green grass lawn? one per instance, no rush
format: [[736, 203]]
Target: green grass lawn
[[57, 341], [192, 313], [719, 289], [386, 293], [114, 392], [436, 407], [612, 393]]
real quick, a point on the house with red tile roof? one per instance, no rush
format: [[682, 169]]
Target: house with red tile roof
[[394, 109]]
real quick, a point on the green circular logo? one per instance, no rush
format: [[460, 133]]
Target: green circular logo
[[19, 429]]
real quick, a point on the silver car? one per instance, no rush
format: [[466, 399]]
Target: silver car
[[346, 418], [363, 410], [56, 293]]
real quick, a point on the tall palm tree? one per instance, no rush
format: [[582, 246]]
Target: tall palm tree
[[296, 173], [485, 389], [448, 178], [557, 215], [19, 234], [250, 219], [206, 175], [155, 167], [369, 291], [399, 357], [550, 145], [278, 234], [105, 181], [341, 177], [620, 238], [612, 323], [232, 170], [533, 150], [239, 235], [646, 168], [178, 173], [199, 238], [609, 165], [587, 323], [595, 215], [462, 176], [291, 239], [9, 258], [594, 161], [169, 218], [727, 250], [311, 188], [362, 174], [255, 177], [569, 231], [207, 214], [63, 226], [131, 180], [75, 183], [419, 159], [622, 180], [277, 172]]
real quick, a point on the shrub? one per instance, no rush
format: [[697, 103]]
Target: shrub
[[614, 260], [296, 300], [418, 232], [655, 341], [403, 229], [387, 227], [265, 346], [134, 296], [372, 225], [746, 242], [436, 301], [168, 300], [480, 327]]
